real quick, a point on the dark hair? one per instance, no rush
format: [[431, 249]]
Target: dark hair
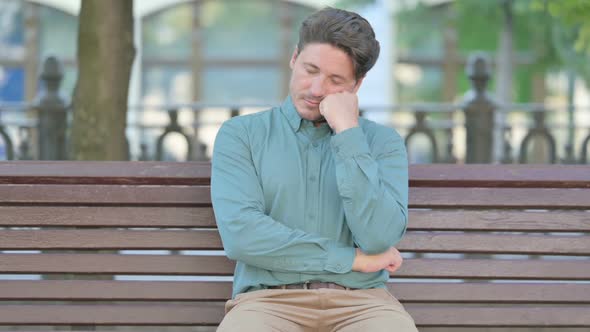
[[346, 30]]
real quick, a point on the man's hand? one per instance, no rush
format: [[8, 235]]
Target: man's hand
[[341, 111], [390, 260]]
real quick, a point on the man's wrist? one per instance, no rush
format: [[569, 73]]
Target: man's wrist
[[358, 262], [340, 128]]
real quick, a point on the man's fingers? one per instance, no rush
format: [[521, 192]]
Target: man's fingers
[[392, 268]]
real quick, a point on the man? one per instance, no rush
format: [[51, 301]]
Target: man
[[310, 199]]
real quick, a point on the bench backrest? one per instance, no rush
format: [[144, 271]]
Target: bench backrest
[[135, 244]]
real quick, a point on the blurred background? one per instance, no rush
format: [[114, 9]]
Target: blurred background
[[464, 81]]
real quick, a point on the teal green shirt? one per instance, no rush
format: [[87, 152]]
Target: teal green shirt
[[292, 201]]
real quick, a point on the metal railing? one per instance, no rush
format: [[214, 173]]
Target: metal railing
[[434, 133]]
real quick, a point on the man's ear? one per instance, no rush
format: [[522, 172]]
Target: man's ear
[[358, 84], [294, 57]]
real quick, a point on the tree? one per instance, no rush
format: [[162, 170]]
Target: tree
[[105, 56], [571, 33], [574, 14]]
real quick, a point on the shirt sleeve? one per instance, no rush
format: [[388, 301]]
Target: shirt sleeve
[[247, 233], [373, 186]]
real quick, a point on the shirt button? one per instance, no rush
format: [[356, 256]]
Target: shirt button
[[312, 178], [311, 216], [338, 267], [336, 149], [314, 144]]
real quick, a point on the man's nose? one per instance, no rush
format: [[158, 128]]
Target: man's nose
[[317, 87]]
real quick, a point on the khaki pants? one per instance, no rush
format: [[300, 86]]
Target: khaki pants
[[321, 310]]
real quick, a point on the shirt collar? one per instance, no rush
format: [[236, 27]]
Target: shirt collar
[[295, 121], [290, 112]]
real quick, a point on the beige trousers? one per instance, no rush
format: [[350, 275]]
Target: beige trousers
[[321, 310]]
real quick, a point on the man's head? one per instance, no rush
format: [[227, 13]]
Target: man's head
[[345, 30], [336, 49]]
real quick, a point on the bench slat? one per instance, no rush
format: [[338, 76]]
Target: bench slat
[[102, 290], [100, 216], [133, 172], [495, 243], [220, 265], [526, 198], [497, 317], [517, 176], [110, 239], [207, 314], [199, 195], [436, 242], [437, 219], [500, 220], [105, 194], [105, 172]]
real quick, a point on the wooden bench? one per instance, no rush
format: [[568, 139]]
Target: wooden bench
[[134, 245]]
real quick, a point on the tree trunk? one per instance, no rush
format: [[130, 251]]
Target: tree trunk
[[105, 57]]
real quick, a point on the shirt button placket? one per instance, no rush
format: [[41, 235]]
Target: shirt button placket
[[312, 198]]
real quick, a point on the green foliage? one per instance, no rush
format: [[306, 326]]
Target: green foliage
[[416, 30], [352, 4], [556, 33], [570, 34], [573, 14]]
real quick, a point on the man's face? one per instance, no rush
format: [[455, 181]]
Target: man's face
[[319, 70]]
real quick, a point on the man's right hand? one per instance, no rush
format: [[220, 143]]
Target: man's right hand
[[390, 260]]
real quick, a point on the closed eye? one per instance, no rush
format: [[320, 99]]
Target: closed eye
[[311, 69]]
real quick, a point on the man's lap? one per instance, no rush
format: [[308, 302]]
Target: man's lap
[[316, 310]]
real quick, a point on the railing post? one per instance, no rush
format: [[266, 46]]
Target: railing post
[[174, 127], [479, 110], [53, 113]]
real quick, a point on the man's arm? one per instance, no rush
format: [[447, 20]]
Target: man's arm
[[251, 236], [374, 189], [373, 185]]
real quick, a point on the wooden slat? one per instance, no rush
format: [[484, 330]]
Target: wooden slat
[[517, 176], [435, 242], [206, 314], [101, 290], [115, 264], [48, 172], [97, 290], [109, 239], [186, 195], [497, 317], [530, 198], [451, 220], [100, 216], [496, 268], [199, 195], [441, 242], [104, 194], [105, 172], [507, 292], [500, 220], [220, 265], [169, 314]]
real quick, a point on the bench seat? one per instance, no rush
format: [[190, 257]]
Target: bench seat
[[134, 246]]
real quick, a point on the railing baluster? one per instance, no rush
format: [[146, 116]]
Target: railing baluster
[[421, 128], [539, 130], [8, 146], [173, 127], [52, 113]]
